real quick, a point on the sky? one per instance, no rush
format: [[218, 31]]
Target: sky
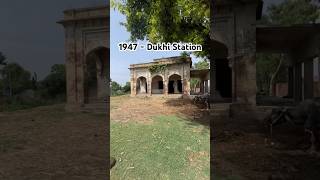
[[30, 36]]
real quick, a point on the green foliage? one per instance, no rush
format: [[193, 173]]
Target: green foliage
[[55, 83], [167, 21], [116, 89], [293, 12], [126, 88], [288, 12], [201, 65], [157, 68], [193, 83], [15, 79], [266, 66]]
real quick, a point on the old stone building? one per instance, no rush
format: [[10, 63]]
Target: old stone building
[[87, 57], [236, 38], [172, 78]]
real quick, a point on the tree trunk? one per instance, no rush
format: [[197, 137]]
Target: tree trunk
[[274, 75]]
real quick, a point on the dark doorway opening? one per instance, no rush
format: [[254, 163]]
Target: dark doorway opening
[[160, 84], [223, 78]]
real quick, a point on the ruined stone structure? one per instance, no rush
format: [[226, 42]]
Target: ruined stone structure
[[236, 39], [174, 79], [87, 56]]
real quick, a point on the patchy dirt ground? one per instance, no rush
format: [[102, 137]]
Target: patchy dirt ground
[[141, 109], [48, 143], [242, 151]]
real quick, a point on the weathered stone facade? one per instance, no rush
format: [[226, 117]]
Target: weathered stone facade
[[175, 79], [236, 38], [87, 56]]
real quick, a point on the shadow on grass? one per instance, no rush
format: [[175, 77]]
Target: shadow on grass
[[195, 114]]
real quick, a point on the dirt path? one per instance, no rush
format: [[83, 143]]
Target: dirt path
[[48, 143], [241, 150]]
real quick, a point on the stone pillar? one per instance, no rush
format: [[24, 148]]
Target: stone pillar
[[308, 79], [206, 86], [245, 79], [297, 82], [132, 83], [212, 78], [290, 82], [149, 85], [202, 86], [165, 87]]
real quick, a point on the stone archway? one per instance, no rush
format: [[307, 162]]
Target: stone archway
[[175, 84], [95, 78], [157, 86], [86, 32], [141, 85]]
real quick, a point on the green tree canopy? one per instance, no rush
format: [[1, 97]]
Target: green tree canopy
[[167, 21], [127, 87], [55, 83], [293, 12], [201, 65], [288, 12], [15, 78]]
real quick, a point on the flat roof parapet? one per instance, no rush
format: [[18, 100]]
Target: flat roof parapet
[[86, 13], [169, 60]]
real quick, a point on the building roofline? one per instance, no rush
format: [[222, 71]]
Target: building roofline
[[168, 60], [87, 8]]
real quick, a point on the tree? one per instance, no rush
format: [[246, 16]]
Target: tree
[[55, 83], [271, 68], [168, 21], [127, 87], [293, 12], [115, 88], [15, 78], [201, 65]]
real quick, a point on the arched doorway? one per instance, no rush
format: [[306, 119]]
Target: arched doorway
[[142, 85], [157, 85], [175, 84], [95, 79]]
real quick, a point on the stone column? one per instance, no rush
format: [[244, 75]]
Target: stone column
[[132, 83], [202, 86], [212, 78], [165, 87], [308, 79], [149, 86], [290, 81], [206, 86], [245, 79]]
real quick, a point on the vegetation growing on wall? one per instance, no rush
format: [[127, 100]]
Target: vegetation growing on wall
[[157, 68]]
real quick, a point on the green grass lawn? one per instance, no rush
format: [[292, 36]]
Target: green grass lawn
[[168, 148]]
